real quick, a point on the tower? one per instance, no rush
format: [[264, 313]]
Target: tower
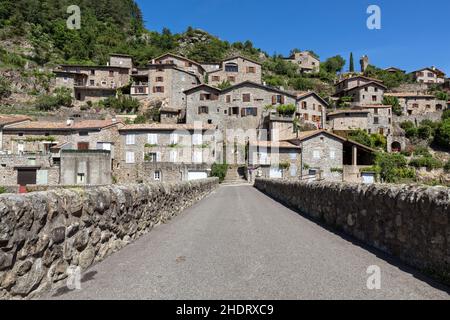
[[364, 63]]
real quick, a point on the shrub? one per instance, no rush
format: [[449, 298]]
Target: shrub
[[389, 165], [441, 95], [219, 171], [378, 141], [286, 109], [421, 151], [447, 166], [427, 162], [446, 115], [140, 119], [425, 132], [5, 87], [442, 135], [121, 104], [395, 103], [407, 125], [60, 97], [361, 137], [3, 190]]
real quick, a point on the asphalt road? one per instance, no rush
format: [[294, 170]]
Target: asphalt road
[[240, 244]]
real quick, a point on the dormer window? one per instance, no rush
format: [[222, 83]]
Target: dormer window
[[231, 67]]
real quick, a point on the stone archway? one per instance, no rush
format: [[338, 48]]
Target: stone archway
[[396, 146]]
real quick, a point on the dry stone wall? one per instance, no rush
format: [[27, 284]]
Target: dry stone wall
[[43, 235], [409, 222]]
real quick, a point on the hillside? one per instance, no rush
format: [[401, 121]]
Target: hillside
[[34, 39]]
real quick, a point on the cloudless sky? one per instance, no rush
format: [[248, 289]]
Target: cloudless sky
[[414, 33]]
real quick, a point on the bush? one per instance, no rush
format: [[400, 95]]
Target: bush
[[390, 166], [407, 125], [442, 135], [425, 132], [446, 115], [421, 151], [442, 95], [61, 97], [121, 104], [140, 119], [427, 162], [5, 88], [447, 167], [378, 141], [395, 103], [3, 190], [361, 137], [286, 109], [219, 171]]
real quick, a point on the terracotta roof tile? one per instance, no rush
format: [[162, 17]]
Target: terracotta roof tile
[[166, 127], [77, 125]]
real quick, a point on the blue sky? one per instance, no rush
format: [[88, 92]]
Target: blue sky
[[414, 34]]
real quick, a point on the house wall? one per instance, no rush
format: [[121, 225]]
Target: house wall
[[95, 165], [306, 62], [343, 122], [364, 96], [315, 112], [219, 111], [241, 76], [351, 83], [262, 165], [421, 105], [384, 123], [330, 152], [182, 64], [121, 61], [8, 163], [102, 77], [428, 76]]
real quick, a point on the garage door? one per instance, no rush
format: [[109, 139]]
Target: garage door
[[26, 176], [197, 175], [276, 173]]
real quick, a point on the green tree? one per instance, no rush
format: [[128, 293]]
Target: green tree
[[442, 136], [395, 103], [352, 63], [361, 137], [334, 64]]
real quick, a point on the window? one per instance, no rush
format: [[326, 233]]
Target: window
[[111, 73], [375, 111], [159, 79], [231, 67], [304, 105], [159, 70], [174, 138], [157, 175], [208, 96], [249, 112], [246, 97], [316, 154], [81, 179], [197, 139], [158, 89], [306, 117], [203, 110], [104, 146], [332, 154], [197, 156], [93, 72], [216, 78], [251, 70], [376, 120], [152, 157], [152, 139], [129, 158], [231, 79], [104, 83], [92, 83], [228, 99], [130, 139], [66, 79], [374, 98], [366, 89], [173, 156]]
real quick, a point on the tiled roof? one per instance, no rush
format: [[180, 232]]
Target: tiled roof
[[54, 125], [355, 111], [11, 119], [364, 77], [272, 144], [407, 94], [166, 127]]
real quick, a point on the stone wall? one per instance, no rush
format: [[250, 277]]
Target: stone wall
[[409, 222], [44, 234]]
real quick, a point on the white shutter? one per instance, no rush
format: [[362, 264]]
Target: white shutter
[[333, 154], [130, 139], [316, 154], [173, 156], [174, 138], [129, 157], [158, 157], [152, 138], [197, 139], [197, 156]]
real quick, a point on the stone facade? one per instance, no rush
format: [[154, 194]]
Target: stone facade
[[306, 62], [414, 104], [46, 235], [367, 94], [181, 63], [236, 70], [173, 150], [348, 120], [239, 107], [408, 222], [312, 109], [89, 167], [429, 76], [353, 82], [168, 83]]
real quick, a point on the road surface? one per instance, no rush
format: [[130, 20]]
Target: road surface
[[240, 244]]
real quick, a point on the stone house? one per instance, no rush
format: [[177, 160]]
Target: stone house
[[306, 62], [243, 106], [418, 104], [311, 155], [367, 93], [165, 152], [311, 108], [10, 120], [342, 87], [140, 83], [394, 70], [167, 83], [370, 118], [42, 143], [429, 75], [181, 63], [236, 70]]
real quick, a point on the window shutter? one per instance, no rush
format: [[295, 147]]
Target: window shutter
[[243, 112], [274, 99], [158, 157], [282, 99]]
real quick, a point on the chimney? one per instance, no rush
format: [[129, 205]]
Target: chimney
[[114, 120]]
